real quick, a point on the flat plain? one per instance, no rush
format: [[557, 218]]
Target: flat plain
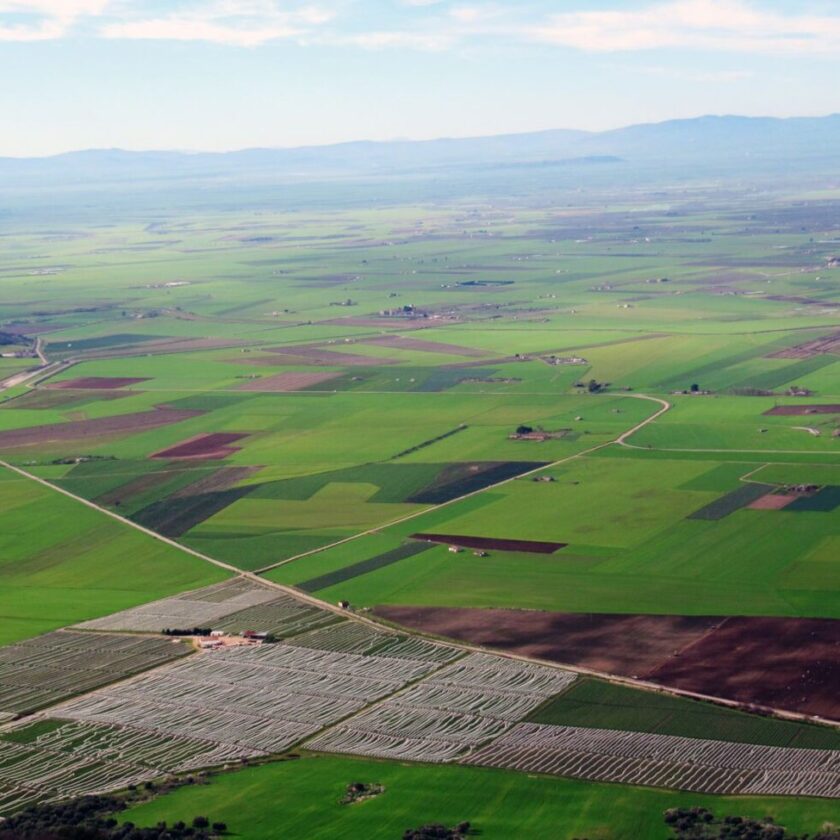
[[602, 436]]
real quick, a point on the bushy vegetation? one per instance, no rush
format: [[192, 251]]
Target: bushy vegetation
[[93, 818], [701, 824]]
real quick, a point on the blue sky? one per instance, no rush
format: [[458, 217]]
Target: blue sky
[[223, 74]]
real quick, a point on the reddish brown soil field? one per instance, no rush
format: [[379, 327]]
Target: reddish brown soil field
[[86, 430], [830, 408], [772, 501], [487, 543], [784, 663], [215, 445], [626, 645], [289, 381], [426, 346], [91, 383], [787, 663]]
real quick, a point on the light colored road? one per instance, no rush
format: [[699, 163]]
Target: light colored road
[[382, 625], [665, 406]]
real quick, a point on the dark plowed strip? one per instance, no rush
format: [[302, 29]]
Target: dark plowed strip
[[467, 478], [625, 645], [530, 546], [221, 479], [744, 495], [202, 446], [175, 516], [363, 567], [825, 408], [787, 663], [95, 382], [122, 424]]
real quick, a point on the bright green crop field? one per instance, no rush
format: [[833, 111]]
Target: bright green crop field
[[301, 799], [591, 406]]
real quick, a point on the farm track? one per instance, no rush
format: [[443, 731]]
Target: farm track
[[256, 577]]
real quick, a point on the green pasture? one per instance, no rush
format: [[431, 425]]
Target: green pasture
[[598, 704], [63, 562], [300, 798]]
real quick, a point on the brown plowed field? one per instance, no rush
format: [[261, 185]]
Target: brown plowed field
[[626, 645], [289, 381], [772, 501], [96, 382], [829, 408], [784, 663], [488, 543], [426, 346], [215, 445], [85, 430], [787, 663]]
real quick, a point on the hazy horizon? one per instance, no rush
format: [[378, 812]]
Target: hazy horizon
[[224, 75]]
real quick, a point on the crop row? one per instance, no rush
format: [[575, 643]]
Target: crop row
[[201, 608], [265, 698], [353, 637], [80, 758], [664, 761], [46, 669], [451, 713]]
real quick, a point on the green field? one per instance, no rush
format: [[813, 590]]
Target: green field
[[63, 563], [589, 367], [301, 799], [603, 705]]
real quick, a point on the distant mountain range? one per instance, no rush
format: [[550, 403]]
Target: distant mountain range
[[729, 141]]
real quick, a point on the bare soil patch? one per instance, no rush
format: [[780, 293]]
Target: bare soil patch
[[92, 383], [215, 445], [798, 410], [783, 663], [425, 346], [289, 381], [488, 543], [625, 645], [787, 663], [85, 430], [772, 501]]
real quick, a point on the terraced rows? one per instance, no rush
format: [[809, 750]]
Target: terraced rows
[[44, 670], [264, 698], [201, 608], [664, 761], [353, 637], [451, 713], [233, 605], [81, 758]]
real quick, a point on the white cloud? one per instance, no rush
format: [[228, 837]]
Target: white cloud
[[716, 25], [241, 23], [44, 20]]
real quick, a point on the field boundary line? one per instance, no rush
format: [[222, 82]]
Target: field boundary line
[[665, 405]]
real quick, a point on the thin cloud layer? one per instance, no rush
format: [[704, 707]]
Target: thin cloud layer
[[714, 25], [735, 26]]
